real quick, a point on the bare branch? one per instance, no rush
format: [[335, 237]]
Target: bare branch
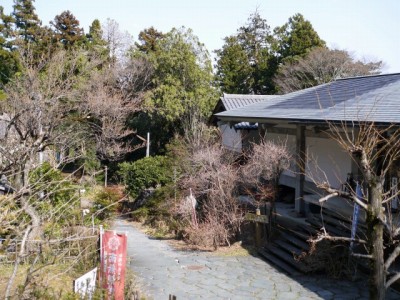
[[392, 280]]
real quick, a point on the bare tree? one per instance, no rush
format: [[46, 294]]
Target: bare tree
[[115, 94], [375, 149], [39, 119], [118, 41], [35, 115], [266, 162], [209, 172], [321, 65]]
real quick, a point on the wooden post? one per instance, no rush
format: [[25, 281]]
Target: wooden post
[[300, 168], [105, 176], [148, 145], [258, 229]]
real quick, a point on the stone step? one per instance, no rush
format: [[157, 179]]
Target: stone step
[[294, 240], [286, 257], [278, 262], [332, 230], [289, 247]]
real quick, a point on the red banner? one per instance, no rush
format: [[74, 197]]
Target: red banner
[[113, 262]]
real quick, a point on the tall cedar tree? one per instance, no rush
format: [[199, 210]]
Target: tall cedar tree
[[9, 63], [249, 60], [27, 22], [94, 40], [295, 39], [24, 32], [247, 52]]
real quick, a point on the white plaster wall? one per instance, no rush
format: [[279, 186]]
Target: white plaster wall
[[326, 161], [231, 138]]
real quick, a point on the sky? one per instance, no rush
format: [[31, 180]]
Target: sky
[[369, 29]]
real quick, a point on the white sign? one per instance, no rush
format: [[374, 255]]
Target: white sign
[[86, 284]]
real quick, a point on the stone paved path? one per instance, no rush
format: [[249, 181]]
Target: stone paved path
[[162, 271]]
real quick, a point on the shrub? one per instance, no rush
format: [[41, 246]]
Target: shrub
[[145, 173], [106, 202], [49, 183]]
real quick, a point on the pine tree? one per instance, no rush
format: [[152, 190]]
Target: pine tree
[[67, 30], [148, 39]]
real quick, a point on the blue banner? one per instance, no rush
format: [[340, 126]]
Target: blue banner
[[356, 212]]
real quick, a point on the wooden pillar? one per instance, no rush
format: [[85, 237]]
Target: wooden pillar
[[300, 168]]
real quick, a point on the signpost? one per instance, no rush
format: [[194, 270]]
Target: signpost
[[86, 284], [258, 219]]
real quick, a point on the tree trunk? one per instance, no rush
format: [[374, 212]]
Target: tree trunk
[[36, 232], [375, 233]]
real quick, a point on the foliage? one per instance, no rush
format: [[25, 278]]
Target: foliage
[[295, 38], [233, 68], [249, 60], [106, 202], [183, 77], [50, 181], [9, 60], [149, 40], [27, 22], [244, 62], [156, 211], [145, 173], [182, 82], [67, 30]]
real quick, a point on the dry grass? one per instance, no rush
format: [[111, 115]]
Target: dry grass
[[55, 278]]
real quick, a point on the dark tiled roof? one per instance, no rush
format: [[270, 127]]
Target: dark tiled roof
[[373, 98], [234, 101]]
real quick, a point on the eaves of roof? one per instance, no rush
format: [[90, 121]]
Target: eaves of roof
[[369, 98]]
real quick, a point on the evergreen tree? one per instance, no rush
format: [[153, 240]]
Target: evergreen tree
[[95, 32], [295, 38], [234, 72], [248, 52], [148, 39], [183, 77], [25, 34], [8, 59], [27, 22], [94, 41], [67, 30], [182, 84]]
